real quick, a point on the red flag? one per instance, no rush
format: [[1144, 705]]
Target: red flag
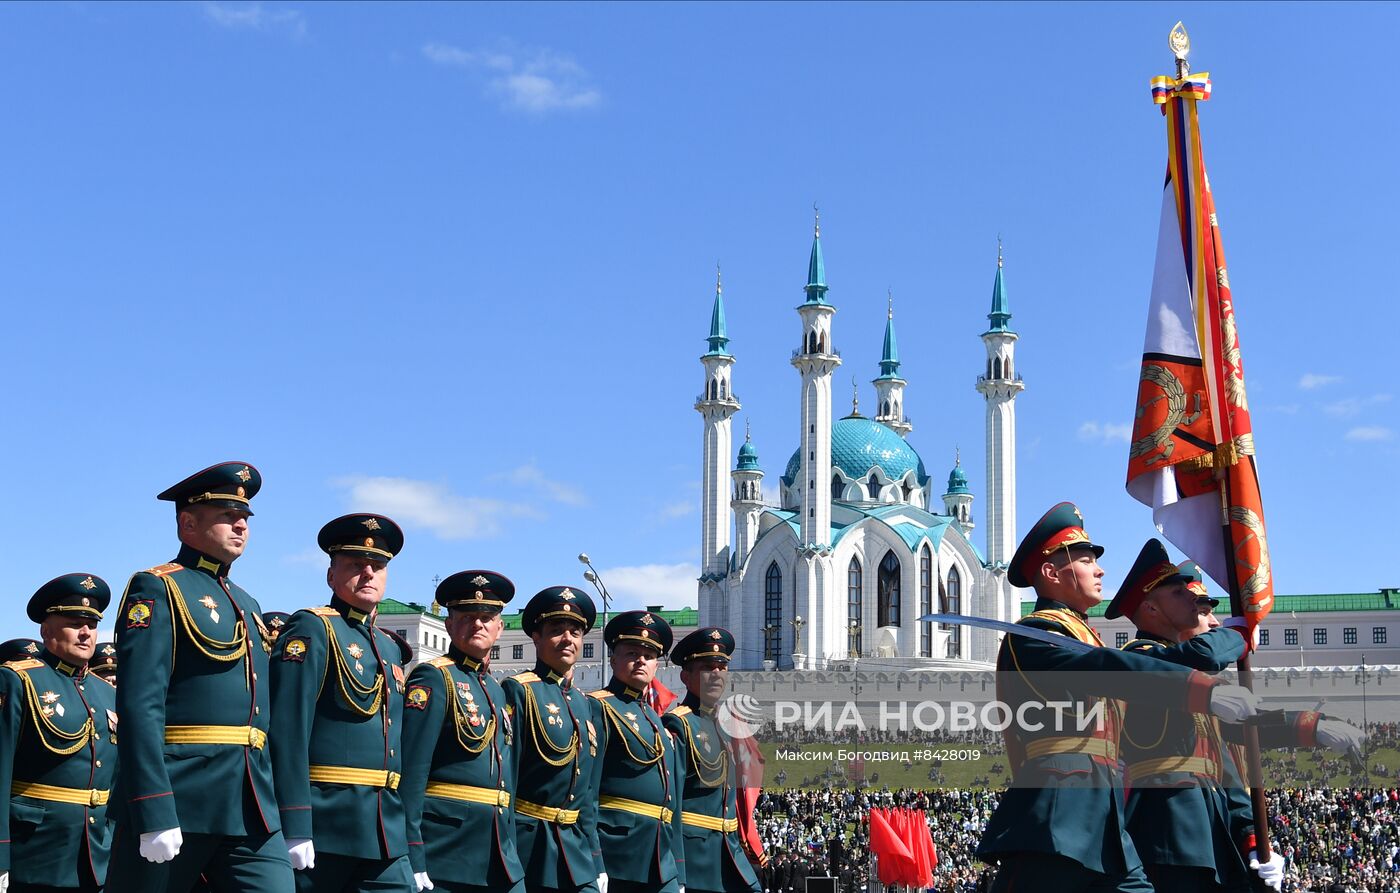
[[895, 857], [659, 697], [922, 844], [748, 764], [1192, 457]]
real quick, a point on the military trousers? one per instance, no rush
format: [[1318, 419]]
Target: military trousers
[[590, 887], [450, 887], [335, 873], [621, 886], [1190, 879], [231, 865], [44, 888], [1031, 872]]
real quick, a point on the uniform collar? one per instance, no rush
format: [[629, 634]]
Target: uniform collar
[[697, 705], [349, 611], [622, 690], [1049, 604], [196, 560], [62, 666], [1144, 634], [466, 661], [548, 673]]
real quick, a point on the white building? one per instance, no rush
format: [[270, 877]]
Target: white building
[[865, 541]]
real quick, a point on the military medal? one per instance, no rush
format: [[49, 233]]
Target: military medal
[[632, 721], [356, 652], [554, 718], [51, 704], [213, 606]]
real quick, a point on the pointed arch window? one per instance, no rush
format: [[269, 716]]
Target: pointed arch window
[[838, 487], [996, 368], [888, 590], [952, 604], [772, 610], [855, 603], [723, 389], [925, 600], [874, 487]]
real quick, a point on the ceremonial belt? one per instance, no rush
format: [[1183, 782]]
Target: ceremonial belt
[[78, 796], [547, 813], [1094, 747], [1194, 765], [244, 735], [373, 778], [636, 807], [467, 793], [709, 822]]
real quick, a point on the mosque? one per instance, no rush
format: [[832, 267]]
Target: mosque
[[863, 544]]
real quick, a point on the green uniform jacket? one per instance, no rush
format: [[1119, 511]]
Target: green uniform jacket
[[640, 763], [337, 703], [45, 706], [193, 652], [554, 724], [1071, 804], [1181, 818], [708, 764], [456, 731]]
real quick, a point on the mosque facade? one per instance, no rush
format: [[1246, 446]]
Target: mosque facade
[[865, 540]]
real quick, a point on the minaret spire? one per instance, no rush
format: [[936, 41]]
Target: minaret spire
[[719, 331], [889, 387], [816, 265], [716, 405], [1001, 311]]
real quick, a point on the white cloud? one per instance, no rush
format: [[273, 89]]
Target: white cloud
[[1353, 405], [535, 81], [1369, 434], [1311, 381], [678, 509], [311, 556], [432, 505], [256, 17], [1106, 432], [669, 585], [529, 475]]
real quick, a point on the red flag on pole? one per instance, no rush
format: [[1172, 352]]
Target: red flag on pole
[[748, 783], [1192, 457], [895, 857], [659, 697]]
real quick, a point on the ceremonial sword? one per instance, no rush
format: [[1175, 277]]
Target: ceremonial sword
[[1014, 629]]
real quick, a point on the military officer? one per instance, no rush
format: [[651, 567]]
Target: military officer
[[104, 662], [715, 857], [337, 701], [58, 747], [459, 762], [19, 649], [1187, 812], [1060, 825], [639, 791], [556, 742], [275, 621], [194, 782]]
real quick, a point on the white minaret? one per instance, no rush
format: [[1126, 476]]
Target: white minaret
[[889, 387], [999, 386], [748, 499], [815, 360], [716, 405]]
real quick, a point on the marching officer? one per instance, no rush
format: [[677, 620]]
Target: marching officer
[[1184, 785], [58, 750], [556, 743], [715, 856], [104, 662], [459, 762], [337, 700], [1060, 825], [639, 791], [194, 782]]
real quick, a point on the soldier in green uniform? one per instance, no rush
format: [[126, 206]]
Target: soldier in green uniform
[[556, 744], [194, 783], [104, 662], [19, 649], [337, 701], [1060, 826], [459, 758], [715, 858], [58, 749], [1187, 812], [639, 789]]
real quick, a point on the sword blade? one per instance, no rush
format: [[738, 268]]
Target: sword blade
[[1012, 629]]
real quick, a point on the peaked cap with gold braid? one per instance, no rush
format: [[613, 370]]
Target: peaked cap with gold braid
[[369, 536], [558, 601], [643, 627], [228, 484], [705, 642], [1153, 568], [1060, 528], [78, 595], [486, 592]]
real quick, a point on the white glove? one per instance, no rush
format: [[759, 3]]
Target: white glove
[[302, 852], [603, 883], [4, 881], [1233, 703], [420, 880], [1339, 736], [161, 846], [1271, 871], [681, 888]]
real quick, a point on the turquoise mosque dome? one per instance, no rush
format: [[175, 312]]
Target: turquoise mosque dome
[[748, 457], [957, 480], [859, 445]]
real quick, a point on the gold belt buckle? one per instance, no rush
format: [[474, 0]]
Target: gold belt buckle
[[392, 782]]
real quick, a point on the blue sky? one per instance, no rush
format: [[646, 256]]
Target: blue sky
[[455, 264]]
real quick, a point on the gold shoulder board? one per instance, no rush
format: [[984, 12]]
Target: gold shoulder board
[[27, 663], [164, 569], [324, 611], [600, 694], [440, 662], [678, 711], [525, 677]]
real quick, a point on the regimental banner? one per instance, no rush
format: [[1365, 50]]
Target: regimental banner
[[1192, 457]]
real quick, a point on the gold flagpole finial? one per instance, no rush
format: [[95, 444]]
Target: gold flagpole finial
[[1180, 44]]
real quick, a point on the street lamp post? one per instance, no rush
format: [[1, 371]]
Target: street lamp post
[[591, 575]]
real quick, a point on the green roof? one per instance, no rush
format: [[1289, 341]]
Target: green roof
[[394, 606], [1381, 600]]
